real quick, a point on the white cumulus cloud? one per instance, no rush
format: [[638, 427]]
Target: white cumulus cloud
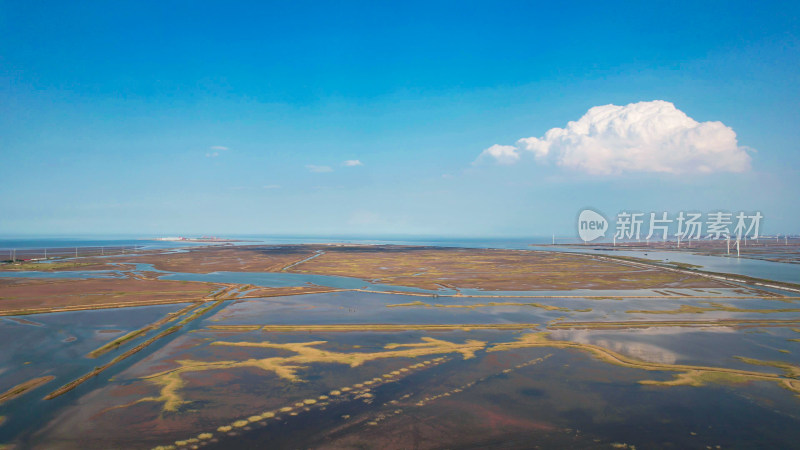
[[502, 154], [219, 147], [353, 163], [640, 137]]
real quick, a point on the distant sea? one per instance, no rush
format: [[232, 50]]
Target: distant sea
[[72, 242], [39, 243]]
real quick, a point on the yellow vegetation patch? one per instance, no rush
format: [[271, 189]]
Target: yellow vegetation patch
[[22, 388], [487, 305], [136, 333], [674, 323], [700, 378], [712, 307], [305, 353], [236, 328], [692, 375], [790, 370], [392, 327]]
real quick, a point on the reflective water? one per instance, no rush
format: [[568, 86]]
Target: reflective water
[[768, 270], [57, 344], [521, 397]]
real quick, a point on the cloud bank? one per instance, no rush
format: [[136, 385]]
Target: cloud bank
[[640, 137]]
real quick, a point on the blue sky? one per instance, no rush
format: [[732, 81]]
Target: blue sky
[[114, 114]]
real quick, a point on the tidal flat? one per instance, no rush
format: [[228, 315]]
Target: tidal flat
[[471, 348]]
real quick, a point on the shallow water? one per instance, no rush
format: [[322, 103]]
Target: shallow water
[[566, 401], [768, 270], [284, 279], [56, 344], [521, 397], [507, 396]]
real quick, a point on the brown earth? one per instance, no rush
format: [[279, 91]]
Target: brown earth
[[423, 267], [229, 258], [509, 270], [29, 295], [60, 266]]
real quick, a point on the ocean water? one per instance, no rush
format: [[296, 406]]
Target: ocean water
[[42, 243], [150, 243]]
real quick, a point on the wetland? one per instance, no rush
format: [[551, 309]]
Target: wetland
[[392, 346]]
